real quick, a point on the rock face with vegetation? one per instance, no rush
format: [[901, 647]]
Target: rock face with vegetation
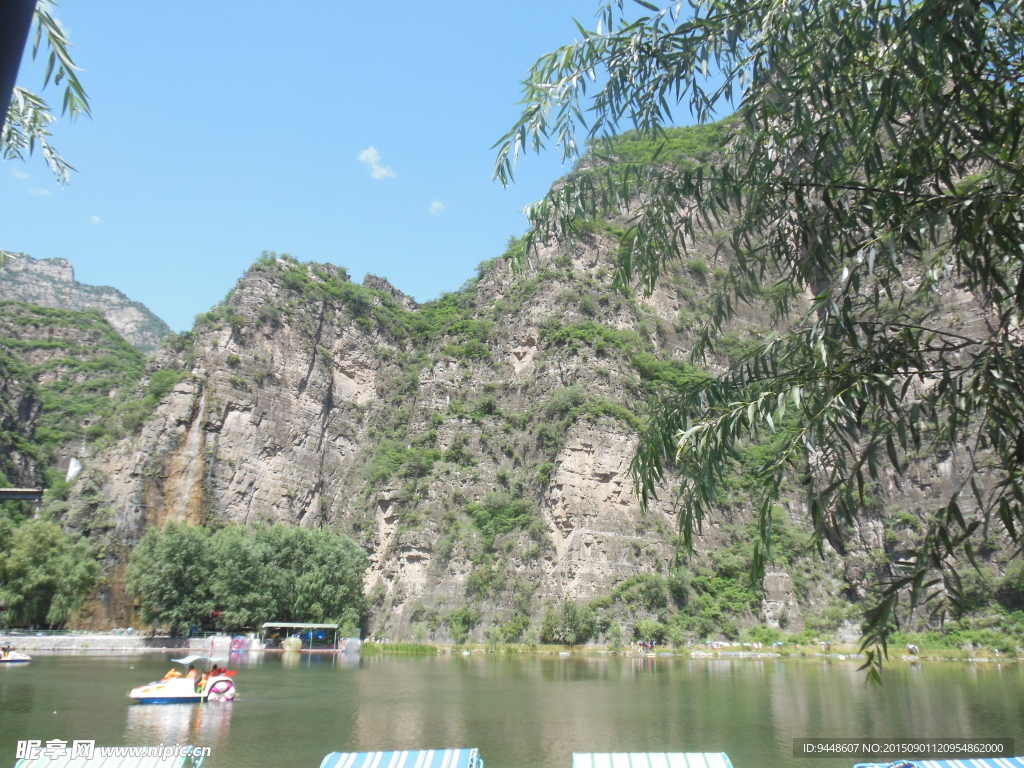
[[66, 376], [477, 447], [51, 283]]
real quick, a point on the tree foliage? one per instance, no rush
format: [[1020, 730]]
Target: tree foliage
[[170, 572], [239, 577], [28, 115], [45, 573], [873, 165], [575, 624]]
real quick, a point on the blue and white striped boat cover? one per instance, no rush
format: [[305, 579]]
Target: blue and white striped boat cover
[[652, 760], [980, 762], [416, 758]]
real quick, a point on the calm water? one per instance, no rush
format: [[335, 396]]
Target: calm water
[[518, 710]]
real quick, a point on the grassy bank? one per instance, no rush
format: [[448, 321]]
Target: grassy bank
[[896, 652]]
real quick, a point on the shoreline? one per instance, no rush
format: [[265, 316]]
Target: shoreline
[[141, 643], [101, 642]]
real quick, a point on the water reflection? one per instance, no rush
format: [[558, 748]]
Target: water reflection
[[305, 659], [240, 659], [520, 710], [16, 695], [537, 710], [205, 724]]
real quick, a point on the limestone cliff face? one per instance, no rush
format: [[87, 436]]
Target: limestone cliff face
[[291, 394], [418, 430], [51, 283]]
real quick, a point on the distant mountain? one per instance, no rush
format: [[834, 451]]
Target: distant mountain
[[51, 283]]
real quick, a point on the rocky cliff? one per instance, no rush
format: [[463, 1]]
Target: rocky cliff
[[51, 283], [478, 446]]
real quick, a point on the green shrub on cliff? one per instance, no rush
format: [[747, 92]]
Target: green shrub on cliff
[[501, 513]]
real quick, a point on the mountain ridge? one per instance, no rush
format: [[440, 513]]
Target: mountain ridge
[[478, 447], [51, 283]]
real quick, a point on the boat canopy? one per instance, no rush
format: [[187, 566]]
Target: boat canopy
[[413, 758], [315, 631], [205, 660], [978, 762], [652, 760], [98, 760]]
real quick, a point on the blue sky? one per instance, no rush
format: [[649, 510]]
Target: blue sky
[[357, 134]]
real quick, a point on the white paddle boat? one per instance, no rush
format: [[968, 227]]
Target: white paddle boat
[[203, 680]]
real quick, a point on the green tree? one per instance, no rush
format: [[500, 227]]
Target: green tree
[[461, 622], [575, 625], [874, 163], [241, 577], [329, 578], [1010, 592], [650, 631], [28, 115], [247, 589], [45, 573], [170, 572]]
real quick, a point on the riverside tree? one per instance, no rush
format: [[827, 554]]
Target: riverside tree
[[238, 577], [46, 574], [170, 572], [873, 165]]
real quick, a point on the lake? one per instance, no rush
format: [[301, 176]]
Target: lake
[[519, 710]]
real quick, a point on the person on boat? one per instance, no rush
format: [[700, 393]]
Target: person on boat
[[192, 673], [201, 682]]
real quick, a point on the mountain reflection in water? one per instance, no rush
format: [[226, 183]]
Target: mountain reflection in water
[[206, 725], [518, 709]]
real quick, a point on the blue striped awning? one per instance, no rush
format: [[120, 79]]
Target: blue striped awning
[[652, 760], [986, 762], [414, 758]]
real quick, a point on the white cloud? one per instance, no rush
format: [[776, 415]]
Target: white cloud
[[39, 191], [95, 220], [436, 207], [371, 157], [19, 174]]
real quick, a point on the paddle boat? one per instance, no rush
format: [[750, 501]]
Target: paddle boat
[[215, 684], [13, 657]]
